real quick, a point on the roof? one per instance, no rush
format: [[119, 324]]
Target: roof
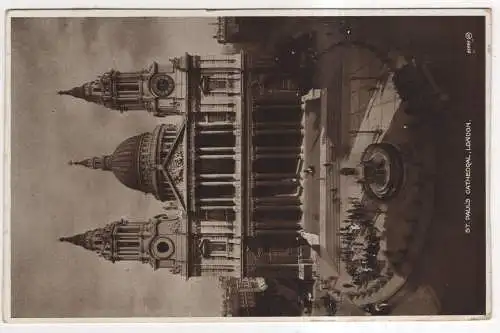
[[126, 161]]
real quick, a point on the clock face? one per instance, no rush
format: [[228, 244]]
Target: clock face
[[162, 85], [162, 248]]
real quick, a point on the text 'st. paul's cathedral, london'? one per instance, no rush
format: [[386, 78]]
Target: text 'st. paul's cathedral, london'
[[231, 169]]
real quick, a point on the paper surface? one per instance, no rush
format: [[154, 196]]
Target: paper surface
[[331, 166]]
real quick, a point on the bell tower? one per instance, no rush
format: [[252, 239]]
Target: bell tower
[[160, 242], [159, 89]]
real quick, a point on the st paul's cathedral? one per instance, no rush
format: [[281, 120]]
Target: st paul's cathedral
[[232, 168]]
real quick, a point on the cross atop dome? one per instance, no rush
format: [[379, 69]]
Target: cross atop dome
[[101, 163]]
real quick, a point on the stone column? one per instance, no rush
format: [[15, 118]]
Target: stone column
[[278, 208], [216, 149], [214, 157], [278, 131], [217, 207], [275, 232], [276, 182], [128, 251], [217, 176], [216, 200], [217, 183], [215, 131], [275, 175], [216, 224], [293, 124], [213, 124], [286, 155], [277, 199], [297, 149], [281, 107], [127, 257]]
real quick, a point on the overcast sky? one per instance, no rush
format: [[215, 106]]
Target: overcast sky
[[50, 199]]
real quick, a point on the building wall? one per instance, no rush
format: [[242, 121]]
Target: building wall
[[247, 131], [215, 128]]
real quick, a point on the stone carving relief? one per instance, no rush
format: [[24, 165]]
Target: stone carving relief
[[177, 269], [172, 224], [176, 166]]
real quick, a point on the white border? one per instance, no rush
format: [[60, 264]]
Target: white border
[[236, 12], [6, 143]]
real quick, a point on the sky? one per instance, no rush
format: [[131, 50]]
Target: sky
[[51, 199]]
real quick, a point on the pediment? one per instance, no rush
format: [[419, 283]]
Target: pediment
[[174, 166]]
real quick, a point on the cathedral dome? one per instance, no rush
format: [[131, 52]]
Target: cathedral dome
[[129, 158], [142, 162]]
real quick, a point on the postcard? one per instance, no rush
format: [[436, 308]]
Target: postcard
[[244, 164]]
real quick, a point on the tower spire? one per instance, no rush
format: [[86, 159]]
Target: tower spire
[[76, 239], [98, 240], [78, 92]]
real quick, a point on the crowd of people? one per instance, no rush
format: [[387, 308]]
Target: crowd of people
[[360, 245]]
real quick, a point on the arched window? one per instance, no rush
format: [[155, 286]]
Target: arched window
[[217, 84]]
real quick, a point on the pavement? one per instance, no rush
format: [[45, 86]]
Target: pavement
[[344, 107]]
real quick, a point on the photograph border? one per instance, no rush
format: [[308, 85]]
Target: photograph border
[[203, 13]]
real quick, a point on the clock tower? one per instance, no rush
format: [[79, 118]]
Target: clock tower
[[159, 89], [160, 242]]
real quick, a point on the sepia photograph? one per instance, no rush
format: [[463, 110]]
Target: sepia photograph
[[246, 165]]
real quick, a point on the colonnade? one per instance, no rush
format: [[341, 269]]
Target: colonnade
[[276, 193], [217, 182]]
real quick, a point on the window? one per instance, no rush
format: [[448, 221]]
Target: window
[[217, 84], [213, 248], [218, 215], [218, 247], [216, 117]]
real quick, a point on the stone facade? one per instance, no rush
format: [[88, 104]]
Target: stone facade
[[232, 168]]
